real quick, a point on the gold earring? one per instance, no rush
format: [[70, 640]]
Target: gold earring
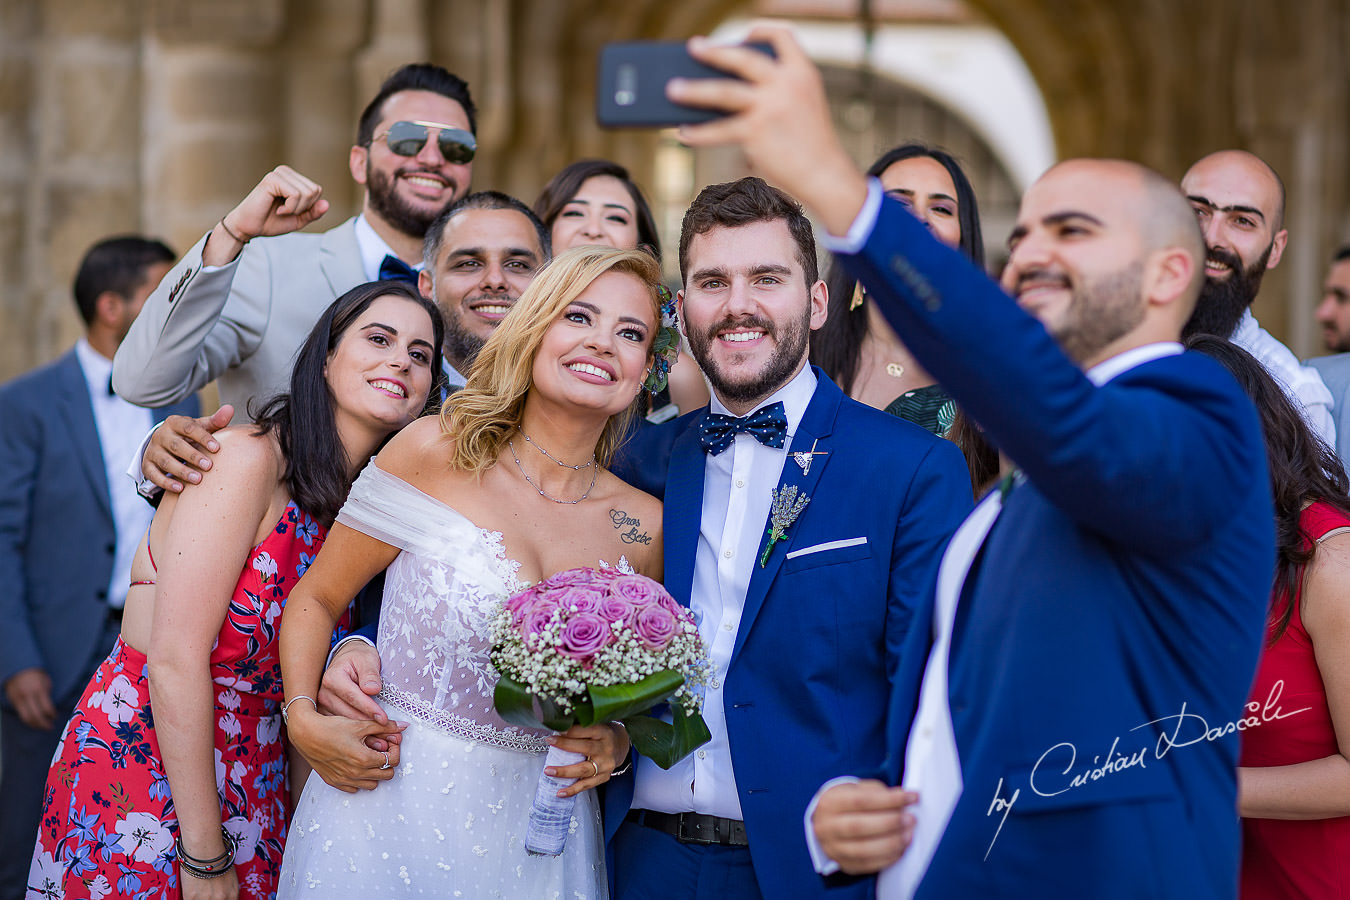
[[857, 299]]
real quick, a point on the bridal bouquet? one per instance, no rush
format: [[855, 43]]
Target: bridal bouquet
[[595, 645]]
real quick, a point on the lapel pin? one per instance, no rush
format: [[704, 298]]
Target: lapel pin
[[804, 458]]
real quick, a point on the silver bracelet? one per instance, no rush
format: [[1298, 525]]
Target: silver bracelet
[[285, 720]]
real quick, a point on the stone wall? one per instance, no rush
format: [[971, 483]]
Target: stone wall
[[157, 115]]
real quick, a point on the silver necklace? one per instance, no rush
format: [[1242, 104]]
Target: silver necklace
[[554, 458], [530, 481]]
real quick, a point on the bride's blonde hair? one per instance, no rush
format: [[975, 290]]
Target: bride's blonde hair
[[484, 413]]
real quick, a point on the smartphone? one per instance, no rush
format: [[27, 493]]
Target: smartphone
[[631, 92]]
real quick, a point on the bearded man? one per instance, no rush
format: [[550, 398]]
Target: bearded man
[[1239, 201], [236, 309]]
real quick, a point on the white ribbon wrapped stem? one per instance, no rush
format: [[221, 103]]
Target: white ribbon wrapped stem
[[551, 815]]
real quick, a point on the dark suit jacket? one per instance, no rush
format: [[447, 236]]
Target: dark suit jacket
[[56, 525], [820, 636], [1125, 581]]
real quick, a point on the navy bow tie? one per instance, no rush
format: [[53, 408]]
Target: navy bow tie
[[394, 269], [767, 425]]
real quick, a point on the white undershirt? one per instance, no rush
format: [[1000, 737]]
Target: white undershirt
[[120, 426]]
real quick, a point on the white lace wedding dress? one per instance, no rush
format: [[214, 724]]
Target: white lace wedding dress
[[452, 821]]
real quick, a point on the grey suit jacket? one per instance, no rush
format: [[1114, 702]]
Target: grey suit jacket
[[240, 324], [56, 524], [1335, 371]]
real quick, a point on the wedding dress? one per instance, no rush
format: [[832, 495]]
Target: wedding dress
[[452, 821]]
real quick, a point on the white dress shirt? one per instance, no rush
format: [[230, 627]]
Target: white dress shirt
[[1302, 384], [737, 488], [119, 425], [932, 761], [374, 250]]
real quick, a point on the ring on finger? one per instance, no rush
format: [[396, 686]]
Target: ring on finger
[[386, 759], [594, 765]]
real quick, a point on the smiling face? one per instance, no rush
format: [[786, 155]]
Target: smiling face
[[1237, 200], [1076, 258], [597, 353], [748, 311], [409, 192], [602, 212], [925, 186], [380, 372], [486, 260]]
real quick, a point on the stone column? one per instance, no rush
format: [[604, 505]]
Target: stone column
[[75, 172]]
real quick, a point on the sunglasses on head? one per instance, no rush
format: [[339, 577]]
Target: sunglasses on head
[[408, 139]]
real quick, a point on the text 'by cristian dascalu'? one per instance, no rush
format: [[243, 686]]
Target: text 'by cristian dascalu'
[[1058, 772]]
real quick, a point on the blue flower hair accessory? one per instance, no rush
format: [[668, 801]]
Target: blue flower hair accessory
[[666, 348]]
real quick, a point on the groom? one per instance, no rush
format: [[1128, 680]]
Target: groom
[[803, 632]]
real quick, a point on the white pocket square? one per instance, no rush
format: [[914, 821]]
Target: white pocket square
[[828, 545]]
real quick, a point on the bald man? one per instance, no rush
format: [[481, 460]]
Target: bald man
[[1096, 613], [1239, 199]]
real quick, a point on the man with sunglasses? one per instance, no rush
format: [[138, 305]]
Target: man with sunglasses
[[236, 308]]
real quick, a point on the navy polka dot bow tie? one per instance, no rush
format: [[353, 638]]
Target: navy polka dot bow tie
[[767, 425], [394, 269]]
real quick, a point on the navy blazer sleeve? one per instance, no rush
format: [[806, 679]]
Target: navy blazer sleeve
[[1118, 457], [937, 500]]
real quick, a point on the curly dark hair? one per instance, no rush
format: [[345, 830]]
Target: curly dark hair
[[1302, 469]]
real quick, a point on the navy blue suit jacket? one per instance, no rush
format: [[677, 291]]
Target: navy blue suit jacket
[[56, 524], [806, 690], [1124, 583]]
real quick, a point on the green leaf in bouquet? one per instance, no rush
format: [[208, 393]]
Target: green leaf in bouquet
[[516, 705], [623, 700], [665, 743], [552, 715]]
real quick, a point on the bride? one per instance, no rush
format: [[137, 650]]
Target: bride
[[505, 489]]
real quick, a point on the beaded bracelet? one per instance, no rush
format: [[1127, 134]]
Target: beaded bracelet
[[207, 868]]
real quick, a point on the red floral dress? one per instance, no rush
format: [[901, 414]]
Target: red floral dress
[[108, 821]]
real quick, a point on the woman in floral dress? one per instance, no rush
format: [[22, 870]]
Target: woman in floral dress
[[172, 766]]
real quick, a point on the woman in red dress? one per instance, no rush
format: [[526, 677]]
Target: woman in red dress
[[173, 762], [1294, 775]]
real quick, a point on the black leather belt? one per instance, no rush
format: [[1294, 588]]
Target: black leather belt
[[693, 828]]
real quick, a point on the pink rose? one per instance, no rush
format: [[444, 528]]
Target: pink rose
[[656, 625], [521, 604], [583, 636], [617, 609], [578, 598], [537, 619], [638, 590], [671, 605], [565, 578]]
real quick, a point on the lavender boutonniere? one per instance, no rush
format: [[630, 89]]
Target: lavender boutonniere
[[787, 506]]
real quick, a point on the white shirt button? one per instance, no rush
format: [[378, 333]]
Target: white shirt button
[[715, 684], [728, 553], [726, 626], [703, 754], [740, 482]]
